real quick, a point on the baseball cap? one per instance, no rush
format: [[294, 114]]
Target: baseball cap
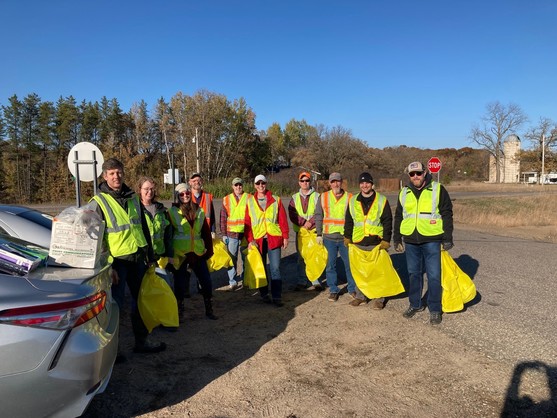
[[365, 177], [335, 176], [237, 180], [194, 175], [260, 177], [304, 174], [415, 166]]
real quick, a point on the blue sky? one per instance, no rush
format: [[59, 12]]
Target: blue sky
[[416, 73]]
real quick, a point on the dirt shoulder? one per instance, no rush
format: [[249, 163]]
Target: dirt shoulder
[[310, 358]]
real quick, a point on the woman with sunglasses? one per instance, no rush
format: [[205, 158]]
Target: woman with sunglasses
[[192, 246], [266, 228]]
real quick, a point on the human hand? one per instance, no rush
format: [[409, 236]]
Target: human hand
[[347, 241], [252, 244], [319, 240], [399, 247], [225, 239], [384, 245], [447, 245], [213, 235], [284, 243]]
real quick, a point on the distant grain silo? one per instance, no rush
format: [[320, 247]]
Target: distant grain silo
[[509, 168]]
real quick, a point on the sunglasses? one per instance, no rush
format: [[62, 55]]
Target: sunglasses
[[259, 183], [185, 193], [416, 174], [304, 181], [238, 185]]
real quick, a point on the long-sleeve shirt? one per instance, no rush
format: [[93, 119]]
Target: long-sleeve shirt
[[386, 220]]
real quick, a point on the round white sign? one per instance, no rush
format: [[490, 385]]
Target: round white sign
[[85, 157]]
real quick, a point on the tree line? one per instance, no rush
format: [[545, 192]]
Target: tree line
[[36, 137]]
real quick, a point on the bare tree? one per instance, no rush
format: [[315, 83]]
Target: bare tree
[[498, 123]]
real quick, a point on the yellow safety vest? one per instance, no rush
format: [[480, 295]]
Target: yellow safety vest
[[370, 224], [334, 212], [157, 225], [264, 221], [236, 211], [422, 213], [311, 207], [124, 232], [187, 239]]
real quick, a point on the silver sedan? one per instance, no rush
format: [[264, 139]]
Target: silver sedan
[[58, 337]]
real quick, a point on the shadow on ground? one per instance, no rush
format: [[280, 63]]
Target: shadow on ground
[[201, 350]]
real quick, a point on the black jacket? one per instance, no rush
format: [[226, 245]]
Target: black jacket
[[386, 220], [445, 210]]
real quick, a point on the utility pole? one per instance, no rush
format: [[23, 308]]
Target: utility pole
[[196, 141], [543, 159]]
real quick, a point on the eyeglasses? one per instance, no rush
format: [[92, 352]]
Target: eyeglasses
[[259, 183], [416, 174], [239, 185], [304, 181], [185, 193]]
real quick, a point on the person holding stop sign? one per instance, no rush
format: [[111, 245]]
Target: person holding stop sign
[[424, 222]]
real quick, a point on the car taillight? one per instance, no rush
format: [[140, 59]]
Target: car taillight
[[63, 315]]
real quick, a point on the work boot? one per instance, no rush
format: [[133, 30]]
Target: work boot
[[209, 308], [181, 311], [411, 311], [148, 347]]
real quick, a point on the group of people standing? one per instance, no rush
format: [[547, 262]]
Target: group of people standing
[[422, 225], [140, 231]]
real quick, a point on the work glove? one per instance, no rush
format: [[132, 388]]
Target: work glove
[[384, 245], [447, 245], [213, 235], [225, 239], [399, 247], [319, 240], [347, 241], [253, 244]]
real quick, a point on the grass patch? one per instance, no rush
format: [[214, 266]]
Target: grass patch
[[507, 211]]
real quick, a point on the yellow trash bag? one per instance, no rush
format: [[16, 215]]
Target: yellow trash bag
[[458, 287], [254, 269], [374, 273], [221, 258], [157, 303], [162, 262], [314, 255]]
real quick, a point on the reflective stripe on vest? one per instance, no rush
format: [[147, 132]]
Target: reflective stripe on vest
[[124, 232], [312, 201], [264, 222], [187, 239], [157, 225], [370, 224], [423, 213], [236, 211], [334, 212], [205, 204]]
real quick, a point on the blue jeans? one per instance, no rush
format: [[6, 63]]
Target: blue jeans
[[274, 270], [234, 247], [334, 248], [417, 256]]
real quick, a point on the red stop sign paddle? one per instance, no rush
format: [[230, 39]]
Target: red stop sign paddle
[[434, 165]]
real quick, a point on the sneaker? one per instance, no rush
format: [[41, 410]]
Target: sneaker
[[278, 303], [356, 302], [377, 304], [410, 312], [315, 287], [149, 347], [352, 295], [435, 318], [333, 297]]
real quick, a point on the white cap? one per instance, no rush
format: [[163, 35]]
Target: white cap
[[260, 177]]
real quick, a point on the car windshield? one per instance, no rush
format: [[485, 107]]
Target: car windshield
[[40, 218]]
